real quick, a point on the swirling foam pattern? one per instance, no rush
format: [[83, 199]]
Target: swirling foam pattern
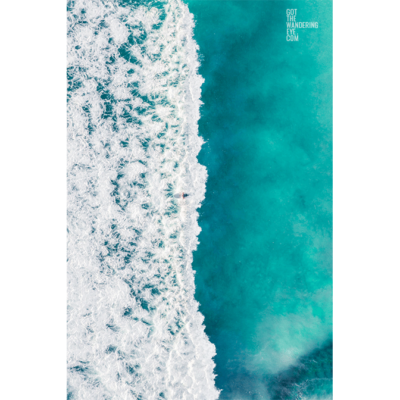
[[134, 329]]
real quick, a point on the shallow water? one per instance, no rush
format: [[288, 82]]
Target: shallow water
[[263, 259], [264, 277]]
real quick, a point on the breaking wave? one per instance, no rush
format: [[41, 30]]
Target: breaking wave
[[134, 329]]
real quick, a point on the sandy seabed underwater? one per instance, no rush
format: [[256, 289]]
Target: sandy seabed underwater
[[207, 98]]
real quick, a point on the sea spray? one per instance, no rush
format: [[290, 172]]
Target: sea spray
[[134, 329]]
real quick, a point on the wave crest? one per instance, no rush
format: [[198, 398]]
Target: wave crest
[[134, 329]]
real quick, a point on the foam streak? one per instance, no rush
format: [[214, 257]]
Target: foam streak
[[134, 329]]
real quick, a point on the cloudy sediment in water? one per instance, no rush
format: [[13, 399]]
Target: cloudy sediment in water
[[248, 315]]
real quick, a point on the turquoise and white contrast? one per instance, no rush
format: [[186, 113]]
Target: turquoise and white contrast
[[227, 293]]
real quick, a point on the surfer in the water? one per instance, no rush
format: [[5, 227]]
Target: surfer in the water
[[181, 195]]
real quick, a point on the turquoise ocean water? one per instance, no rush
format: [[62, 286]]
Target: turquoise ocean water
[[204, 97], [264, 264]]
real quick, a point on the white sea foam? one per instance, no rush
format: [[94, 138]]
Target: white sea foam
[[134, 329]]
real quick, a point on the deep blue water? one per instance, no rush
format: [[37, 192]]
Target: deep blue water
[[264, 263]]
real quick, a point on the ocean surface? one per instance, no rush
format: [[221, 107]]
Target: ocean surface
[[264, 264], [226, 293]]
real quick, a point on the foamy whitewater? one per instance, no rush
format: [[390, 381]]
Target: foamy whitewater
[[134, 329]]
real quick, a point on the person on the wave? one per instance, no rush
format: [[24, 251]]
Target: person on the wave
[[181, 196]]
